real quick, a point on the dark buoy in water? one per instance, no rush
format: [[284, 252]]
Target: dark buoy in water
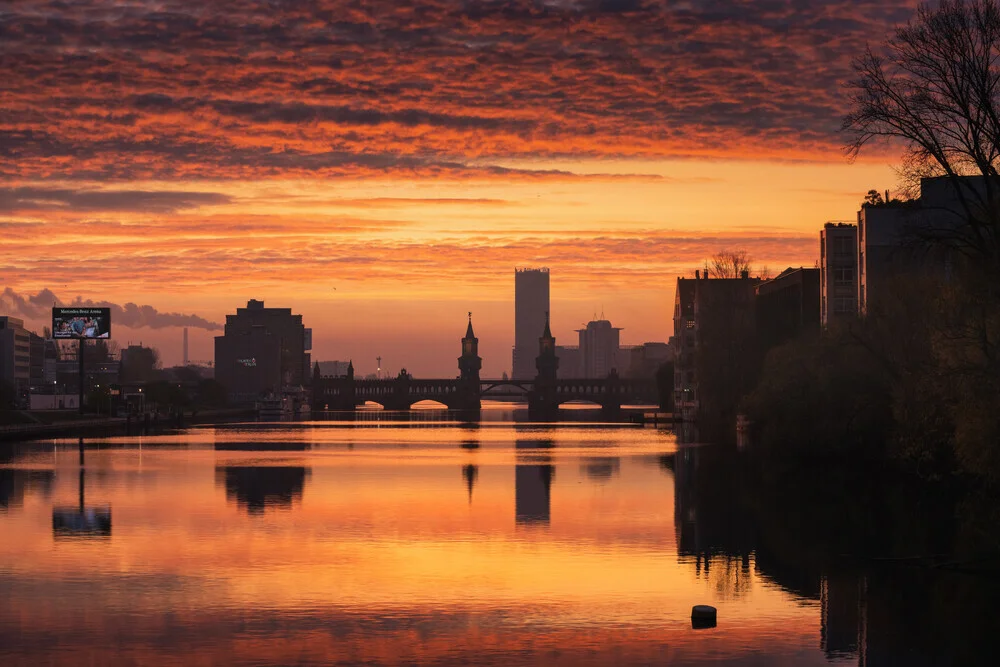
[[702, 616]]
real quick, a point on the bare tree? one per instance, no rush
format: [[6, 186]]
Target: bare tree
[[873, 198], [730, 263], [934, 90]]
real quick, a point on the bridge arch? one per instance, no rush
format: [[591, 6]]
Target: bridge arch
[[580, 404], [428, 404]]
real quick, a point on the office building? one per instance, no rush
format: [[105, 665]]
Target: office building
[[838, 266], [531, 305], [262, 350], [599, 343], [882, 229], [15, 355], [683, 345], [918, 236], [643, 361], [788, 306], [569, 361], [715, 362]]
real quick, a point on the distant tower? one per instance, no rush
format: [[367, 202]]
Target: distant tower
[[470, 363], [186, 358], [599, 348], [547, 363], [531, 303], [543, 401]]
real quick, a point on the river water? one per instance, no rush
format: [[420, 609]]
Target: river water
[[410, 542]]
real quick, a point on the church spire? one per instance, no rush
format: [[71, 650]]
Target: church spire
[[548, 332], [468, 332]]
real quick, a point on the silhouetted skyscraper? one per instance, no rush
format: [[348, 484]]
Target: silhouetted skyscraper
[[262, 350], [533, 483], [599, 344], [531, 304], [838, 253]]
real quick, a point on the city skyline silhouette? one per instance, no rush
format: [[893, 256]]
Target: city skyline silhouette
[[339, 169]]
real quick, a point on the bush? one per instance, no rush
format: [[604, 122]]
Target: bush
[[820, 397]]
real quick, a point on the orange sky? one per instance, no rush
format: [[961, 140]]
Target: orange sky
[[382, 170]]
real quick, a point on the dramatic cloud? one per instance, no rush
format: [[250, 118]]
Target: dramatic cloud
[[170, 89], [50, 199], [37, 307], [195, 155]]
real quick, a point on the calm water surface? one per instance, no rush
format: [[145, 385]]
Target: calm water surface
[[382, 542]]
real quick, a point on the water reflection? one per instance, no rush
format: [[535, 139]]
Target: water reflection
[[601, 468], [470, 473], [385, 564], [16, 483], [533, 475], [901, 577], [258, 488], [81, 521], [841, 600]]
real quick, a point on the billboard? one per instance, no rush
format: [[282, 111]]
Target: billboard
[[81, 521], [81, 323]]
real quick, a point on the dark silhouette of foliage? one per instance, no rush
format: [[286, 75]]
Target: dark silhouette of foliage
[[932, 91], [820, 398], [730, 263]]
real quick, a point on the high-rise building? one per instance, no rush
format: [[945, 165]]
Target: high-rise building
[[715, 333], [569, 361], [918, 236], [15, 355], [599, 344], [788, 305], [262, 350], [838, 265], [531, 305]]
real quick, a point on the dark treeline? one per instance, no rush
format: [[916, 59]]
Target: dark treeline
[[915, 381]]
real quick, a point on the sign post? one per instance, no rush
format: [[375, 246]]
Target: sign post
[[81, 323], [80, 383]]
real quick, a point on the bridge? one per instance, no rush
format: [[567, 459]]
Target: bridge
[[403, 391], [544, 393]]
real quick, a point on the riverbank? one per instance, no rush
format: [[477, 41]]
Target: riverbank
[[35, 426]]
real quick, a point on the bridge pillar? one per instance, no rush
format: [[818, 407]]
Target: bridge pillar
[[611, 399], [334, 393], [467, 397], [543, 402], [400, 398]]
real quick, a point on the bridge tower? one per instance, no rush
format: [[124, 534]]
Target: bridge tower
[[469, 365], [542, 401]]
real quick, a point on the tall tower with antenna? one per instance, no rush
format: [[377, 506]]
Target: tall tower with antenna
[[187, 359]]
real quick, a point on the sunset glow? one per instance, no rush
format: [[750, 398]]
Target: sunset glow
[[374, 164]]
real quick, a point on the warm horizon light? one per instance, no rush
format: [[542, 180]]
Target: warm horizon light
[[381, 169]]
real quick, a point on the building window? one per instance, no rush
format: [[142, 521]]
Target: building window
[[842, 245], [843, 305], [843, 276]]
